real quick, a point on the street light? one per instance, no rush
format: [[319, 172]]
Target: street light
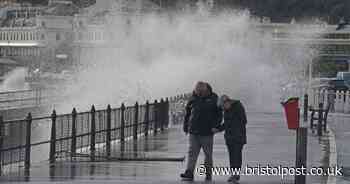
[[309, 90]]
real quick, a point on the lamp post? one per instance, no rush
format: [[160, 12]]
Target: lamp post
[[309, 90]]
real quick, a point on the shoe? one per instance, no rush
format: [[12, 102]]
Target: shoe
[[208, 177], [238, 177], [187, 175], [233, 179]]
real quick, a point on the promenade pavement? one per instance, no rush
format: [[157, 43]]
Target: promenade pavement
[[269, 143]]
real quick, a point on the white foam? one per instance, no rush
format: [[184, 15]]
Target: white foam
[[157, 56]]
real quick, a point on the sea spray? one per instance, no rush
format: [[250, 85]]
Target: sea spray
[[14, 80], [154, 55]]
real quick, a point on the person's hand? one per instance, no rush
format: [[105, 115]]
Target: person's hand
[[185, 130], [215, 130]]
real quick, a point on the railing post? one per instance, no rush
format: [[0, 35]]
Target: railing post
[[320, 119], [147, 119], [53, 138], [40, 95], [28, 141], [93, 133], [336, 104], [74, 133], [167, 112], [306, 105], [136, 120], [162, 114], [2, 134], [155, 111], [122, 123], [108, 133]]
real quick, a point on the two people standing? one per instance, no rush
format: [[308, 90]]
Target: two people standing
[[204, 114]]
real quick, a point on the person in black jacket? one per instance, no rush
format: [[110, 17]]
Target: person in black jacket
[[202, 114], [235, 121]]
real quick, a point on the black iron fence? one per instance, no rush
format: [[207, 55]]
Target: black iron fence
[[90, 135]]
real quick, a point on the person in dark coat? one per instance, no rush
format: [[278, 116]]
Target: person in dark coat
[[235, 121], [202, 114]]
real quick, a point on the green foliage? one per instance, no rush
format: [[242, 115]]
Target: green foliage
[[329, 68], [328, 10]]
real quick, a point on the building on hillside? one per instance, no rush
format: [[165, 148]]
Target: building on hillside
[[4, 3], [38, 37], [94, 35], [332, 45]]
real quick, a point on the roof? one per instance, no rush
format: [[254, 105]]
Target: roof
[[6, 61]]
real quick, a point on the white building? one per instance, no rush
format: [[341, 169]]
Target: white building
[[38, 37], [92, 28]]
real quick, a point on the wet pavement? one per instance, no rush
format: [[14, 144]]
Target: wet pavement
[[269, 143], [340, 124]]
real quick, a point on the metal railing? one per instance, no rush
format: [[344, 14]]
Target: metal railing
[[90, 135], [339, 101], [27, 98]]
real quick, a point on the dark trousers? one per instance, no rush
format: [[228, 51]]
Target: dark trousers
[[235, 153]]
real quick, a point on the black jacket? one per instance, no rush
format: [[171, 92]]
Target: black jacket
[[235, 121], [202, 114]]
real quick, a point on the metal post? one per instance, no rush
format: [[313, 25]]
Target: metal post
[[53, 138], [93, 133], [147, 118], [306, 105], [2, 134], [28, 141], [167, 112], [40, 95], [74, 133], [162, 114], [122, 123], [108, 133], [309, 89], [320, 118], [136, 118], [301, 154], [155, 111]]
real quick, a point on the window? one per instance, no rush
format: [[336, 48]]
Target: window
[[58, 36], [42, 36]]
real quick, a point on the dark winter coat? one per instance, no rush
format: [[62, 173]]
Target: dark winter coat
[[235, 121], [202, 114]]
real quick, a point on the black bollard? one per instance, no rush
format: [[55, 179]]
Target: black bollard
[[301, 154]]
